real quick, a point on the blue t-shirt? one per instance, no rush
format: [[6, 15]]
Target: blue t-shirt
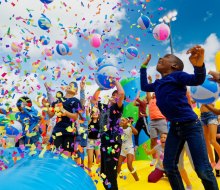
[[72, 105], [171, 90]]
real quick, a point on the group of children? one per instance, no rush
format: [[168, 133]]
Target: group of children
[[101, 129]]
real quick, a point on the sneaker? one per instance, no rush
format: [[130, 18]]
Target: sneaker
[[217, 166], [153, 162]]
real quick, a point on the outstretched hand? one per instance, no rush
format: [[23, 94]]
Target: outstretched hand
[[197, 56], [215, 75], [147, 60]]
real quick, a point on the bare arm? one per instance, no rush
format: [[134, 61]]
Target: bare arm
[[134, 131], [212, 109], [121, 93], [152, 151], [95, 97]]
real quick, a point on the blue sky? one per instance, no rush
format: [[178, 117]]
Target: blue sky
[[197, 23]]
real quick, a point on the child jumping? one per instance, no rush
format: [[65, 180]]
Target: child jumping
[[185, 126], [127, 149]]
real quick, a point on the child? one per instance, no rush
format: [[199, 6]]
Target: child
[[170, 92], [127, 149], [29, 118], [142, 122], [82, 128], [67, 114], [158, 123], [158, 173], [111, 135], [94, 141], [210, 123]]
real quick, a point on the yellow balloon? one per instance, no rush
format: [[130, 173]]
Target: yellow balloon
[[217, 61]]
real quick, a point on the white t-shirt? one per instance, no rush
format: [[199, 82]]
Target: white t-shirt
[[127, 138], [160, 156]]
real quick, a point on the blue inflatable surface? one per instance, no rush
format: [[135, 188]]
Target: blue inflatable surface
[[48, 173]]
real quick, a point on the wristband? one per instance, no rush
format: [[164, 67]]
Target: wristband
[[143, 66]]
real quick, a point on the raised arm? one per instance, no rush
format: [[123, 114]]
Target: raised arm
[[95, 98], [135, 103], [197, 60], [143, 77], [121, 93], [82, 91], [152, 151]]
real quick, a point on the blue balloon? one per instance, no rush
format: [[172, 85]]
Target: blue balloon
[[131, 52], [62, 49], [44, 23], [45, 40], [44, 173], [143, 22], [46, 1]]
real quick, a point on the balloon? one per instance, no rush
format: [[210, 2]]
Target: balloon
[[45, 40], [161, 32], [206, 93], [44, 23], [46, 171], [105, 75], [46, 1], [96, 40], [217, 61], [131, 52], [62, 49], [143, 22]]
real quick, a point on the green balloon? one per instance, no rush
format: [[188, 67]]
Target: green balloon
[[140, 153]]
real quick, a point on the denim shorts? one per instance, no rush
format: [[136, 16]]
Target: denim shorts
[[209, 118]]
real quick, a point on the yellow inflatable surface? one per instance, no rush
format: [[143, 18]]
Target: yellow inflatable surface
[[143, 170]]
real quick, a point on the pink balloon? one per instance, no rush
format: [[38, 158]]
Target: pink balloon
[[161, 32], [96, 40]]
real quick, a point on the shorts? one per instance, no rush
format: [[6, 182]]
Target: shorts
[[93, 144], [158, 126], [209, 118], [126, 151], [65, 142]]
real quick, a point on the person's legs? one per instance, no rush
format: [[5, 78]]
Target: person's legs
[[120, 162], [155, 175], [130, 158], [108, 168], [208, 145], [196, 142], [173, 148], [90, 159], [212, 136], [68, 144], [144, 125]]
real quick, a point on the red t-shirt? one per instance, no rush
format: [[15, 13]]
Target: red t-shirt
[[142, 108]]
